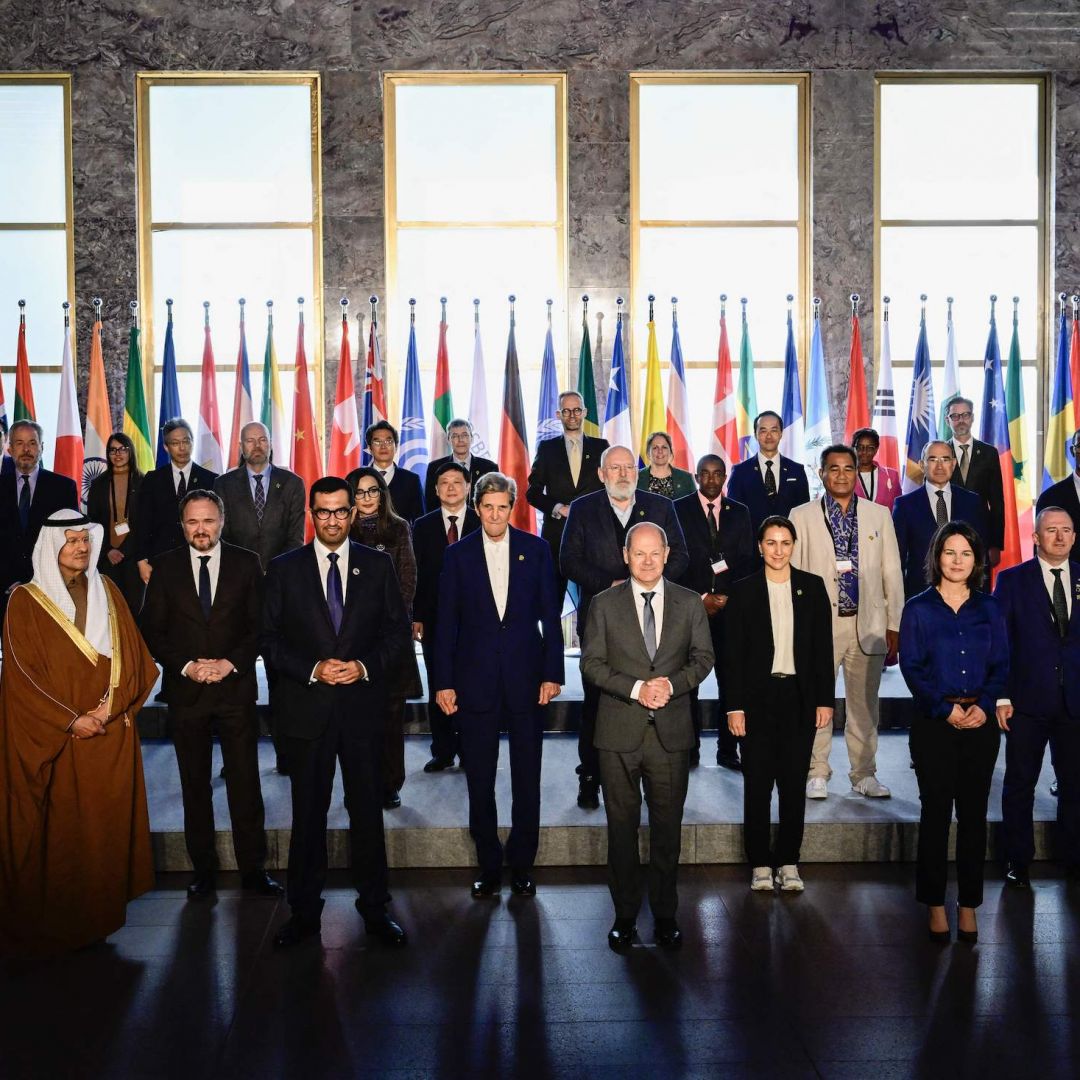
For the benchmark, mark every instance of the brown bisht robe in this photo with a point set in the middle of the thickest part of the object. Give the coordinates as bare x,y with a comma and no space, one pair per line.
74,827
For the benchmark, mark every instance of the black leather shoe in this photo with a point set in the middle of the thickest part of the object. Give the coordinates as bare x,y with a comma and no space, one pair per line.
1017,877
588,795
621,935
522,884
386,930
294,931
729,761
486,886
262,883
391,800
439,764
668,934
202,887
1054,789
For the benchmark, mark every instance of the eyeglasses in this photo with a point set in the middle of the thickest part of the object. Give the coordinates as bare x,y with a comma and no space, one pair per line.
620,468
175,443
572,412
118,450
339,512
961,415
464,433
383,444
367,493
939,460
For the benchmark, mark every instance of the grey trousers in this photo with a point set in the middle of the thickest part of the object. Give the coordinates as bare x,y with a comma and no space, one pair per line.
665,776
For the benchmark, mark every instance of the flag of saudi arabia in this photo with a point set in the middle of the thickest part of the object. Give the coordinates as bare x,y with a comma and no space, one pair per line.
136,418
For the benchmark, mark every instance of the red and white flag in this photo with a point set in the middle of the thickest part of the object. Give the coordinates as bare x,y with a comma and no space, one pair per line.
725,440
306,452
68,450
208,430
345,433
858,412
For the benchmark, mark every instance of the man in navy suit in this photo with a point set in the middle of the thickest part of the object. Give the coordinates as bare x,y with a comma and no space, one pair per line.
28,495
918,514
1065,493
592,555
1040,600
334,626
768,483
498,661
459,434
381,439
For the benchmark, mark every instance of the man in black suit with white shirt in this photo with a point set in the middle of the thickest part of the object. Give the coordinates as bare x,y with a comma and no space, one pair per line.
381,439
459,432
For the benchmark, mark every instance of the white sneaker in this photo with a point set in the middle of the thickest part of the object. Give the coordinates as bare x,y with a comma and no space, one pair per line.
817,787
872,788
762,880
787,877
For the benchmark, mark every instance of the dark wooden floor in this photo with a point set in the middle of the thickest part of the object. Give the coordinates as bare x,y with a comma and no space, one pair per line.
838,982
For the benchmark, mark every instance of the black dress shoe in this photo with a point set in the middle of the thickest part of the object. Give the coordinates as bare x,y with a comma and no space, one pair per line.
621,935
202,887
259,881
588,795
438,764
486,886
522,884
1016,877
296,930
668,934
729,761
391,800
386,930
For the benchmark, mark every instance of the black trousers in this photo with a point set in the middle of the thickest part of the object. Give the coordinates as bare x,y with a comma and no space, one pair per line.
445,739
775,750
237,728
312,764
275,728
726,743
480,753
393,750
953,768
1025,746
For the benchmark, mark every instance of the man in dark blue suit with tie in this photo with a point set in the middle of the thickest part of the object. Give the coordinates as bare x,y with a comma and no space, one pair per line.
1065,493
498,661
334,626
768,483
918,514
1040,600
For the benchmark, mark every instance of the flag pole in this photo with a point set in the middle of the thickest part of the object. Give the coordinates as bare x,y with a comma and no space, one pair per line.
723,305
652,299
922,301
206,314
817,308
1075,304
133,307
600,336
412,311
374,302
855,305
67,315
549,303
885,302
476,315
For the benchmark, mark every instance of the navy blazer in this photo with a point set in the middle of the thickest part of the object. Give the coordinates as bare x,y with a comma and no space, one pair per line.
52,492
591,552
1041,662
297,634
915,524
429,547
484,657
1062,494
746,486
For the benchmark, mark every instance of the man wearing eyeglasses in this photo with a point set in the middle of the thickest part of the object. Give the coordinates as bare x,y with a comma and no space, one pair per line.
406,494
160,494
460,434
334,626
920,513
978,468
562,471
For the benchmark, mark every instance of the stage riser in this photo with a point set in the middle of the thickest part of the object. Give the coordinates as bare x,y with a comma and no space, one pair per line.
578,845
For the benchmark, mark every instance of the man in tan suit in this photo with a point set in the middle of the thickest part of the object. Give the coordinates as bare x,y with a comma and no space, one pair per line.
851,544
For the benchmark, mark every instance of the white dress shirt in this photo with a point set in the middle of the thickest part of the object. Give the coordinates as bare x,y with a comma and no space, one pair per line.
497,557
185,472
459,514
658,612
387,473
957,445
1048,581
932,490
321,553
783,627
761,459
623,515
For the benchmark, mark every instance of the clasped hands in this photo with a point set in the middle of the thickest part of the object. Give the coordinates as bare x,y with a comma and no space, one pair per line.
209,671
963,719
655,693
339,672
92,723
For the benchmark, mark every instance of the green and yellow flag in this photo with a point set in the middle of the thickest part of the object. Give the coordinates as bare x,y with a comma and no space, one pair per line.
136,417
586,384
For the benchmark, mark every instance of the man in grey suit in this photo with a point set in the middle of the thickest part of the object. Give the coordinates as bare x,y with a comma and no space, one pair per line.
264,512
647,646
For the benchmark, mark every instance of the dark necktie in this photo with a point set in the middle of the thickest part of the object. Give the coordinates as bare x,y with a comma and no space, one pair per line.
770,479
650,624
260,497
24,503
334,600
181,488
942,511
452,533
714,531
206,598
1061,608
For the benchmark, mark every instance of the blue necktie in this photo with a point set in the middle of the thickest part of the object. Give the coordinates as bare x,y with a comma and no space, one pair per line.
206,598
334,599
24,503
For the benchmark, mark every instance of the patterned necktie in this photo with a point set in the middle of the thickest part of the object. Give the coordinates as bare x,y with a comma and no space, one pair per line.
714,531
650,624
1061,608
770,479
24,503
334,599
942,511
260,497
181,488
452,533
964,463
206,598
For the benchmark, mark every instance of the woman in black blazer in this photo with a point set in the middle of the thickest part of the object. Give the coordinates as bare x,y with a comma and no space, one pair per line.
111,502
780,688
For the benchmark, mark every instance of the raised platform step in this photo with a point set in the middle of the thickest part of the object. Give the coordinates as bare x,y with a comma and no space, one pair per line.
431,827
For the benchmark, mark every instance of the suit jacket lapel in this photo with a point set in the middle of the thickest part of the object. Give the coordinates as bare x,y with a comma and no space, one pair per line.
315,572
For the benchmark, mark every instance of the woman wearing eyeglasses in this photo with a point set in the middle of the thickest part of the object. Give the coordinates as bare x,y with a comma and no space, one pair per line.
111,503
378,526
660,476
876,483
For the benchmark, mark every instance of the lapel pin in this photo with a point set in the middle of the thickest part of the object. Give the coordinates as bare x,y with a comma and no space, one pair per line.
521,558
798,592
641,513
356,571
